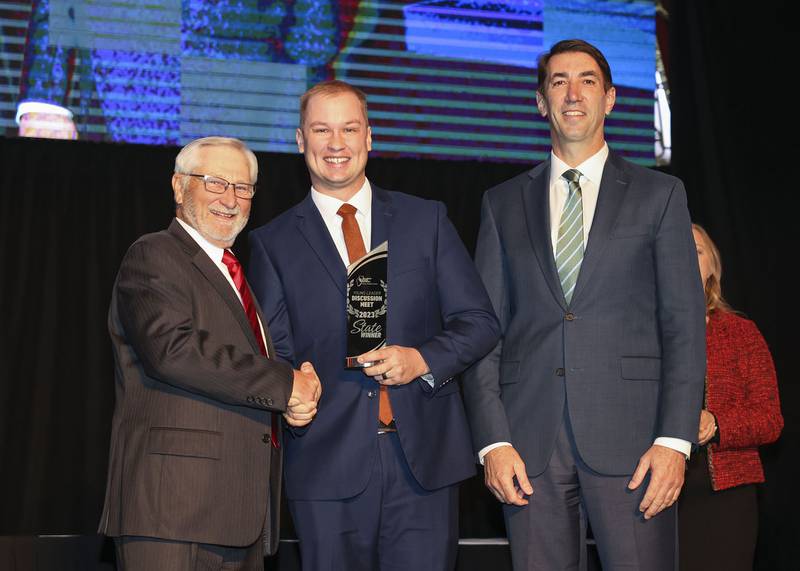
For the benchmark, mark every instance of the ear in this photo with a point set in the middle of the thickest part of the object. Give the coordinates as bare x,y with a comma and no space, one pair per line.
369,138
541,103
177,188
611,98
298,136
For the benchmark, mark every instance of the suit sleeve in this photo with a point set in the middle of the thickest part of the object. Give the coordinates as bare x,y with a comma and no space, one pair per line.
485,411
156,312
470,328
681,318
268,288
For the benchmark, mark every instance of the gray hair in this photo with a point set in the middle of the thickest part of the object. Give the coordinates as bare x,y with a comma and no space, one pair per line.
185,162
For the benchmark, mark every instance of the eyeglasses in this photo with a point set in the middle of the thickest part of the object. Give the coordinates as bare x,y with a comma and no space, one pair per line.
220,185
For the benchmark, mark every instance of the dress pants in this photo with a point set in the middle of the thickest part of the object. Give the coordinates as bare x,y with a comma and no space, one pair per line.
546,535
393,525
151,554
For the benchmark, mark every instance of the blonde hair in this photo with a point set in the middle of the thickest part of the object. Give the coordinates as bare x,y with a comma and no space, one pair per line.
328,89
713,285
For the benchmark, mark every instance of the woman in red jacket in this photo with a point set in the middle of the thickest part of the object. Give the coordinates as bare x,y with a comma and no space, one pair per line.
741,411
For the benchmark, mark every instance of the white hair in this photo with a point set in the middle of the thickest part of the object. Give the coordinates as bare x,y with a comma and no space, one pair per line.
185,162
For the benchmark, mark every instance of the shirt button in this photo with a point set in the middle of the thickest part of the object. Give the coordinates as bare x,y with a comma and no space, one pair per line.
265,438
560,372
371,394
569,316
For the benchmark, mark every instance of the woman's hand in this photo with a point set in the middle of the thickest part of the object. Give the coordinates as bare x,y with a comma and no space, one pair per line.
708,427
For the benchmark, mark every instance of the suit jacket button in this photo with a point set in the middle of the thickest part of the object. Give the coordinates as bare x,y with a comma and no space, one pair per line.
269,402
560,372
249,399
371,394
265,438
569,316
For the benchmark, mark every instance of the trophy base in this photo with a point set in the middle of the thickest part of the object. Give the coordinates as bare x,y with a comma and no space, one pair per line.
352,363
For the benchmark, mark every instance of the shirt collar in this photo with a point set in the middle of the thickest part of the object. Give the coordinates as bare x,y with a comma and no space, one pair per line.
214,252
329,205
591,168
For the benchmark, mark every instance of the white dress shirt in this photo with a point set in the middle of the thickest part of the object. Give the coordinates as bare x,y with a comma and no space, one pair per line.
591,174
328,207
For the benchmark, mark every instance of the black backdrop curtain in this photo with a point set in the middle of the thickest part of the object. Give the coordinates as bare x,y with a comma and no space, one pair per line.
70,210
735,145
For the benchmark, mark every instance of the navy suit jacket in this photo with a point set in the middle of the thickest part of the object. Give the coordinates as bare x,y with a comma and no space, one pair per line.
437,304
626,357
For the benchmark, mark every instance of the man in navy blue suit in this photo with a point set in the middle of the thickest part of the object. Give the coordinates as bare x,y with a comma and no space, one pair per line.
591,399
372,482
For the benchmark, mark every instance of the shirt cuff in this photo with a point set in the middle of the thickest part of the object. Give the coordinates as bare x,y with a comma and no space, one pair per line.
682,446
428,378
486,449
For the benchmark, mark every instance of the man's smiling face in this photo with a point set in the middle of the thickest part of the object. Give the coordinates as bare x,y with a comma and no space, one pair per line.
575,101
218,217
335,139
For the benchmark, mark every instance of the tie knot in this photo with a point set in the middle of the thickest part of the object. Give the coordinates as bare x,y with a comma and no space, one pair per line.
230,260
346,210
572,175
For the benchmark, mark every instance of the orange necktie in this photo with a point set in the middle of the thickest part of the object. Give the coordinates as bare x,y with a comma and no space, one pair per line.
356,250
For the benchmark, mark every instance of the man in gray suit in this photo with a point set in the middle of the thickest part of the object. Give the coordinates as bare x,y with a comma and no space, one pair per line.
195,461
591,398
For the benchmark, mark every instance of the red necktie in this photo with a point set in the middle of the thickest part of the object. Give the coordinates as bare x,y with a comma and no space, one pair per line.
356,250
235,269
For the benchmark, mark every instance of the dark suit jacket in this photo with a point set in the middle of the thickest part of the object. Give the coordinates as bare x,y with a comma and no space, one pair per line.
627,354
436,304
190,457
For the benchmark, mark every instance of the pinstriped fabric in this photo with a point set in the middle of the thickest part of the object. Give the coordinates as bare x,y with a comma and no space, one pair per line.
190,432
569,247
155,553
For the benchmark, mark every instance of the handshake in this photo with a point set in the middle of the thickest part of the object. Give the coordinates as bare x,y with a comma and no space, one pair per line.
306,390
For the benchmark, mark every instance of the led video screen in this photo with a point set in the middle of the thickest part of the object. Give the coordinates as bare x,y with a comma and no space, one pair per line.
444,78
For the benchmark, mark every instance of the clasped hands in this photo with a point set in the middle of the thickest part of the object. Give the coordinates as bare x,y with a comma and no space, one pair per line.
392,365
306,390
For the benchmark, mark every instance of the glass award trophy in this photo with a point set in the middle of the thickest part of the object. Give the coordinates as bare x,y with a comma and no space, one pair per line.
367,296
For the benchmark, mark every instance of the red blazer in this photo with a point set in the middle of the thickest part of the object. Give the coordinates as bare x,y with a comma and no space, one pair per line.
742,393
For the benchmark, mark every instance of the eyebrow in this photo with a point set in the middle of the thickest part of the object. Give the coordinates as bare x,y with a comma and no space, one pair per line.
589,73
325,123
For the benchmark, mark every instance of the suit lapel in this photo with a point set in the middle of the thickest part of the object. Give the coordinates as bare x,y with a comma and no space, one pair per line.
382,216
613,186
213,274
313,229
536,200
268,337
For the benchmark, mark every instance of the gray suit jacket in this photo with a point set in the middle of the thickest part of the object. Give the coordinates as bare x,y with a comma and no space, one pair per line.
190,456
626,357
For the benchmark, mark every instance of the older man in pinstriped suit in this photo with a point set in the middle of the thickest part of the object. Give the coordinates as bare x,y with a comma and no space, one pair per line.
195,461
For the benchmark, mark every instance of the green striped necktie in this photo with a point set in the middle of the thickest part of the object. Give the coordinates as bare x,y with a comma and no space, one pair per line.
569,248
